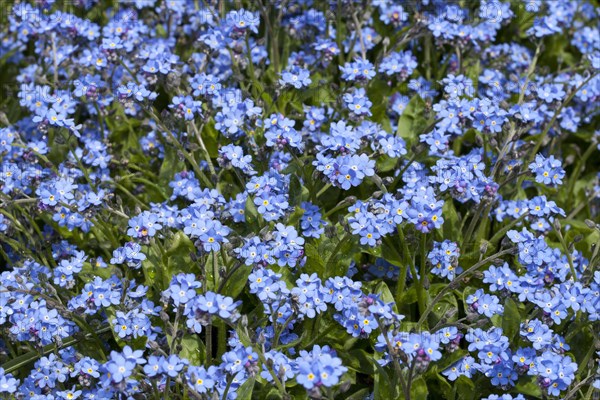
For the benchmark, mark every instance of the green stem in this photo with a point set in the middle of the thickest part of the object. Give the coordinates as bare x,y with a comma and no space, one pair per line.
421,295
208,344
397,367
459,278
229,275
551,123
582,205
530,71
174,332
151,184
278,332
166,396
263,361
323,190
179,147
338,32
358,29
136,200
317,338
339,206
338,248
402,276
566,249
198,134
54,61
26,359
580,165
226,392
221,337
215,270
467,238
508,227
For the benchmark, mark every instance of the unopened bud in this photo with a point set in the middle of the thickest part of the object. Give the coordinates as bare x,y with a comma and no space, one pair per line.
377,180
479,141
350,200
591,224
269,363
153,345
388,180
315,393
483,247
164,316
344,386
557,225
262,339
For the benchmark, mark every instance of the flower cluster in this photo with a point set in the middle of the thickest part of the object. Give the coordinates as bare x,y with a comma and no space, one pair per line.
299,199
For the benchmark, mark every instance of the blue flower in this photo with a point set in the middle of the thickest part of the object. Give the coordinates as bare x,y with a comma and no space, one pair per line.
119,368
547,170
296,77
202,380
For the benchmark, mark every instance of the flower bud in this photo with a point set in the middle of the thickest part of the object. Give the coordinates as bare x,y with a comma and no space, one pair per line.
591,224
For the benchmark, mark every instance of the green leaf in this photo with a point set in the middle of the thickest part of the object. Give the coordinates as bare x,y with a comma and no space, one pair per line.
452,222
528,386
171,163
295,216
473,71
412,120
177,257
589,236
524,21
242,332
152,268
451,358
358,360
410,295
465,388
418,389
360,394
210,137
386,163
390,251
314,261
331,256
382,386
444,387
89,272
511,319
385,294
237,281
193,349
161,31
251,212
318,95
295,191
245,391
338,260
274,394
